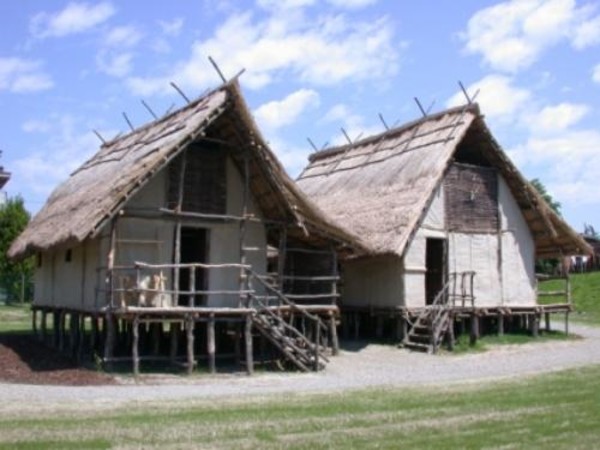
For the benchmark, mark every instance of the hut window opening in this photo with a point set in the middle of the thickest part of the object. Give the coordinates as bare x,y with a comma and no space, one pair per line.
204,180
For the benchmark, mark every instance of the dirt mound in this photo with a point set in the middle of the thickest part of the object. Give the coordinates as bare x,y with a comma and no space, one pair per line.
25,360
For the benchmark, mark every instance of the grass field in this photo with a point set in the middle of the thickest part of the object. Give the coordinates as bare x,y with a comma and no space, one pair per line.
585,289
552,411
15,318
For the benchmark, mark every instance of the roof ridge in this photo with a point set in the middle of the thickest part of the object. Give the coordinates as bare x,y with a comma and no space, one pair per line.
392,131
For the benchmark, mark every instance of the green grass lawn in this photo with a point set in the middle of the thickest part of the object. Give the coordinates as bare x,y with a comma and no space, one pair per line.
551,411
15,317
585,289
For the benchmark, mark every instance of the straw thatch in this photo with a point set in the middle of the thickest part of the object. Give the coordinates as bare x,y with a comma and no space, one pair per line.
81,206
381,186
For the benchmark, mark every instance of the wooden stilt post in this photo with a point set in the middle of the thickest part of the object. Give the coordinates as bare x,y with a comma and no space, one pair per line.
34,323
317,341
547,321
534,324
210,343
249,349
93,336
43,325
404,326
73,327
156,335
500,324
567,323
190,343
450,333
110,339
174,335
55,328
474,328
135,345
335,344
61,329
81,338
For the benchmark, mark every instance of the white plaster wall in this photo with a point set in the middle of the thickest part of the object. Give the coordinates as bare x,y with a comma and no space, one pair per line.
479,253
518,251
372,282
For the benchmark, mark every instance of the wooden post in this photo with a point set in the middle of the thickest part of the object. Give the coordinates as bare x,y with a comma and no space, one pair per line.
81,337
73,331
135,346
43,325
547,321
450,333
334,290
179,207
189,322
156,335
317,343
249,349
55,327
110,339
281,257
500,324
174,335
210,343
93,336
34,323
61,329
534,324
404,326
567,323
335,344
474,329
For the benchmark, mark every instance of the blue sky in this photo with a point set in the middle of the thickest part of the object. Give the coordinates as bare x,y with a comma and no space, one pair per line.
312,67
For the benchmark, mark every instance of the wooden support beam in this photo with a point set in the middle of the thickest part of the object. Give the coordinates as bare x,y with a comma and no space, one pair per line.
135,346
474,329
335,344
534,324
189,325
34,323
43,325
110,338
500,324
547,321
61,329
210,343
249,349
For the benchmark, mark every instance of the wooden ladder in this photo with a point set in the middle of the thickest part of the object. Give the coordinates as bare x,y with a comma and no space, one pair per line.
432,324
306,354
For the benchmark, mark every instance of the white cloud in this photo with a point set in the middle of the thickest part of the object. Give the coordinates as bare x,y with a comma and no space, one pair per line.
352,123
171,27
114,64
322,51
35,126
498,97
351,4
74,18
23,75
284,4
279,113
511,35
596,73
556,118
66,149
124,36
572,163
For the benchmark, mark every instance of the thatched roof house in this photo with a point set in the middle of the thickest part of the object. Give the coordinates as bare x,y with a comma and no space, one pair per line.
204,169
82,206
432,197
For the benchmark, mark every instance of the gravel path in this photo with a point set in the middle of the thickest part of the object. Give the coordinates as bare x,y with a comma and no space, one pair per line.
369,366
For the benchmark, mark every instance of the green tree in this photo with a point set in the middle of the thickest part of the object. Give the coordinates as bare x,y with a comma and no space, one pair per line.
15,276
539,186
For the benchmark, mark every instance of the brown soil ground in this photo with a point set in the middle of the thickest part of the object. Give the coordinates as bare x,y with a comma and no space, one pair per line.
25,360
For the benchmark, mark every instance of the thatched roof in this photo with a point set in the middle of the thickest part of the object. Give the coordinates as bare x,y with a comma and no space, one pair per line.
381,186
80,207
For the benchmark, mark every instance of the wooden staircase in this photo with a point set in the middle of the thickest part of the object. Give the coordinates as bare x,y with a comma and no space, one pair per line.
305,354
434,322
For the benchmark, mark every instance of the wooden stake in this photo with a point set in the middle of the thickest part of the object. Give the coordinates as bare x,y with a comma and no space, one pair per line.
335,345
190,344
43,325
547,321
500,324
249,349
474,329
210,343
134,346
110,339
34,323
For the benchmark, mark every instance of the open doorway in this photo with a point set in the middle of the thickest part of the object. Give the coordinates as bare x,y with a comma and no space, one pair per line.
435,262
194,249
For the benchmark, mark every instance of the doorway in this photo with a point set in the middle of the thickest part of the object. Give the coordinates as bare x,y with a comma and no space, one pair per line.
194,249
435,263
